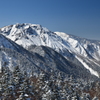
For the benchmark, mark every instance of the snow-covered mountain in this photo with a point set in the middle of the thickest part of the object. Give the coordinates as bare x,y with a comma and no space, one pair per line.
74,49
33,34
37,58
85,47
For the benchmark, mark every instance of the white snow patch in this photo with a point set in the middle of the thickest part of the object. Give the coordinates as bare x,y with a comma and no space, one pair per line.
0,66
87,67
74,44
26,95
62,34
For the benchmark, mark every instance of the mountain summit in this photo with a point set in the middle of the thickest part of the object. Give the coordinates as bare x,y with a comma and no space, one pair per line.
77,50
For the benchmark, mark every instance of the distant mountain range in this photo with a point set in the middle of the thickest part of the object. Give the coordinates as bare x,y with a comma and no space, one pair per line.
35,48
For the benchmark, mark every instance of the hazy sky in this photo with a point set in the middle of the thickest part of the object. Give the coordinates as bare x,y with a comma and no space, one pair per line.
77,17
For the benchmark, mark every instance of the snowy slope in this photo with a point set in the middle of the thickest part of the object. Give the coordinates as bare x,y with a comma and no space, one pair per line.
11,58
4,42
37,58
69,46
84,47
87,67
40,58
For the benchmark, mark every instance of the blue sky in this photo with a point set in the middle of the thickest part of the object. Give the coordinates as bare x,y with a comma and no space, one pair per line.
77,17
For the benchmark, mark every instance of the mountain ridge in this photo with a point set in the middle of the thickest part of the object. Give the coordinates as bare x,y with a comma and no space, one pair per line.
69,46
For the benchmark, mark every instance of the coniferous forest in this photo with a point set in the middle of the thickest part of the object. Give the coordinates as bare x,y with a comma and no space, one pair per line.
43,86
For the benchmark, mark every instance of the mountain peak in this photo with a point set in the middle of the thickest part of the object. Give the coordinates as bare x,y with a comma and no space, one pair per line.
23,25
23,28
